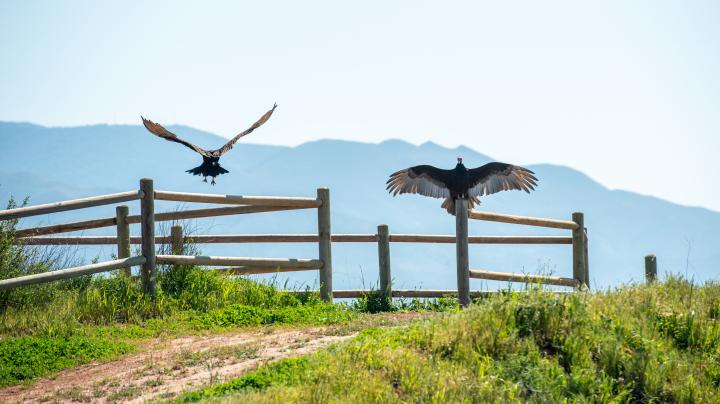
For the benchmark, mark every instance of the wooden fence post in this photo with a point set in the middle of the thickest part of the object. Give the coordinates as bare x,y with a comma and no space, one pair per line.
325,245
176,240
587,259
384,260
123,235
463,262
578,249
147,231
650,268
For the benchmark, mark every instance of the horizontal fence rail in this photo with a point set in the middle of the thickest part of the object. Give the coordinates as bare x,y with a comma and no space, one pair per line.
523,278
66,227
71,272
240,261
355,294
446,239
212,212
258,270
410,293
159,217
238,199
72,204
300,238
526,220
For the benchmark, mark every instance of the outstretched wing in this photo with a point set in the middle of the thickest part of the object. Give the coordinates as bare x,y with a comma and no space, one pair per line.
158,130
496,177
229,145
424,180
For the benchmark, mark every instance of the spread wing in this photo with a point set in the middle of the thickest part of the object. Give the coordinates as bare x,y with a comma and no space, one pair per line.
423,180
229,145
496,177
158,130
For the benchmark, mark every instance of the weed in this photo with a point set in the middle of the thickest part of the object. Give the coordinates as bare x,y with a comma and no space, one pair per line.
377,302
153,382
125,394
75,394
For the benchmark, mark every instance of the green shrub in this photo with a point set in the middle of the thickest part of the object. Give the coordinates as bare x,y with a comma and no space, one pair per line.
17,261
376,302
118,298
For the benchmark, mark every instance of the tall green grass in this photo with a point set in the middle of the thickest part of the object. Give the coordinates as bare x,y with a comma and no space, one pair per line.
375,301
657,343
101,319
46,327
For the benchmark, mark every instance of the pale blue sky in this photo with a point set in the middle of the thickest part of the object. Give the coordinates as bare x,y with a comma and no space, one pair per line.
626,91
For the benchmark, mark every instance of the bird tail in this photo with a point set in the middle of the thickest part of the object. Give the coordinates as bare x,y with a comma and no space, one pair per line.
449,204
207,170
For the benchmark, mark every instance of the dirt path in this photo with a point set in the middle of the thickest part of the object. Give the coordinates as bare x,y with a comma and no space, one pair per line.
166,368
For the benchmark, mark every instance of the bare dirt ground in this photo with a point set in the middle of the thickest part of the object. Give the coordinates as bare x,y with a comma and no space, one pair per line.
167,367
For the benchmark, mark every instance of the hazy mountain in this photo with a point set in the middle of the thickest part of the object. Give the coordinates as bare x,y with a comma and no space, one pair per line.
51,164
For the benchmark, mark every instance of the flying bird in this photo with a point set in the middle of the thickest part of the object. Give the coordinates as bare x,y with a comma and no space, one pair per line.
460,182
211,158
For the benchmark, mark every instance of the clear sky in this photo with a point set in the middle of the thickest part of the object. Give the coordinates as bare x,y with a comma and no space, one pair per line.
626,91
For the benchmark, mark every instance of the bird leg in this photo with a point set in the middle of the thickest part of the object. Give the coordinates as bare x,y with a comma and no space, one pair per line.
204,179
213,181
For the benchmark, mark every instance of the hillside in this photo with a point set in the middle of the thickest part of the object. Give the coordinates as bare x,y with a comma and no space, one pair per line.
636,344
50,164
213,338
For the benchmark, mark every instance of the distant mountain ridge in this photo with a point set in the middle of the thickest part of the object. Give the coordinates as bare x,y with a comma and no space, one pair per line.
51,164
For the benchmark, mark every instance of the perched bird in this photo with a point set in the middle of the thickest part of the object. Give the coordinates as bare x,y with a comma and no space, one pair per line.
211,158
460,182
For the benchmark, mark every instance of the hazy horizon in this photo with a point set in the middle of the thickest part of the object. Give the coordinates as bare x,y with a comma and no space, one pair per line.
448,165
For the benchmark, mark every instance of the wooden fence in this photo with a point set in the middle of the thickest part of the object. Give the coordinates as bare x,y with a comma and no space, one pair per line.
581,275
148,259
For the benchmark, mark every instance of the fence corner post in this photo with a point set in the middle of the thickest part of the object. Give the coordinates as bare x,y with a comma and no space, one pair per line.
123,235
176,240
147,230
325,244
650,268
461,249
579,250
384,260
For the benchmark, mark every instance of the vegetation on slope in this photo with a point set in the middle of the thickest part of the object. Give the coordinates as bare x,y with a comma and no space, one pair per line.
48,327
658,343
100,318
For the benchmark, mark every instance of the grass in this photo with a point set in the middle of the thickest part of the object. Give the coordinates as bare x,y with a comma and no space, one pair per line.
235,352
28,357
125,394
657,343
107,317
48,327
377,302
